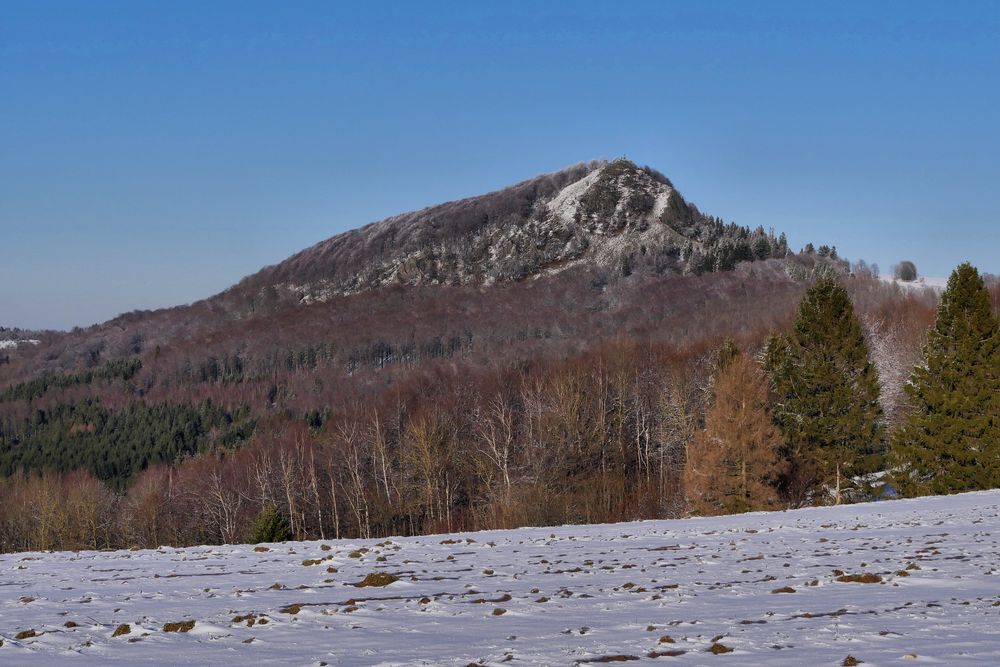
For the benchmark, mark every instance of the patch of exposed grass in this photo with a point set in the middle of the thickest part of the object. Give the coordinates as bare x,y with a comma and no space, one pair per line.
866,578
377,579
179,626
613,658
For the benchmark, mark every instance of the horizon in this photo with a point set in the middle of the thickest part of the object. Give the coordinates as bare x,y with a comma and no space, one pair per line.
155,156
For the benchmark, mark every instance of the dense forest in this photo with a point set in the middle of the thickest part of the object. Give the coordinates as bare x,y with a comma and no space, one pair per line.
630,428
736,376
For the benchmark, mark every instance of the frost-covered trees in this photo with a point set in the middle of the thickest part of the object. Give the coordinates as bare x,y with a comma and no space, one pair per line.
951,440
827,398
733,464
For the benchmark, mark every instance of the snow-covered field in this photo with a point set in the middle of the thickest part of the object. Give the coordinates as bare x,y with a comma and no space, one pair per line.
765,587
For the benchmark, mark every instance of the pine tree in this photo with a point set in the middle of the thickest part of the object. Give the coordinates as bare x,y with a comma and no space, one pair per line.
950,442
827,395
733,464
269,526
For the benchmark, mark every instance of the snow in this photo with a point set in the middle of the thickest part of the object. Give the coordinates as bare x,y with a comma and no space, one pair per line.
571,594
935,283
564,205
11,344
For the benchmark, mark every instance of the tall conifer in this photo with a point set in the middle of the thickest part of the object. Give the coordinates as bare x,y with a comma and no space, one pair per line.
950,441
827,398
733,464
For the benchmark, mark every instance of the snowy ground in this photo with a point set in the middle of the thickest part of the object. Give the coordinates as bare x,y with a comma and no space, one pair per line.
923,282
12,344
764,585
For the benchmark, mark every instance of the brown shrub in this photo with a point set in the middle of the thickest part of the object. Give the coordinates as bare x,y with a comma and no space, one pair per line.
377,579
866,578
179,626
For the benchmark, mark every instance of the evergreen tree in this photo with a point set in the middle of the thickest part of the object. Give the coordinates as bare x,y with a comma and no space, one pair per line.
827,395
269,526
733,464
950,442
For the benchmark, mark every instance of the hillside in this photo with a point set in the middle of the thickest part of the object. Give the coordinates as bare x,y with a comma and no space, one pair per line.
767,588
599,222
554,369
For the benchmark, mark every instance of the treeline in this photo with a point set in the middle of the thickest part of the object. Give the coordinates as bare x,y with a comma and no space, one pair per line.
116,369
636,428
832,441
114,446
236,367
593,439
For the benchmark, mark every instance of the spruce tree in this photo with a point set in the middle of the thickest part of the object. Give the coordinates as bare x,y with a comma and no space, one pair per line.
950,442
269,526
827,395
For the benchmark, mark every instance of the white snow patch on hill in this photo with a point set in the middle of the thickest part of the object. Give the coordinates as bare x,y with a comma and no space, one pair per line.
764,585
11,344
936,284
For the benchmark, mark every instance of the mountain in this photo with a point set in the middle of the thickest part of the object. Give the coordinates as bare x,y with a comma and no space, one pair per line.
539,354
574,234
602,214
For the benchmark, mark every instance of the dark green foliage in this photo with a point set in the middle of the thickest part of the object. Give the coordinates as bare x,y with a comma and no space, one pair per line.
905,271
116,445
640,203
761,247
827,394
123,369
723,245
269,526
951,440
602,198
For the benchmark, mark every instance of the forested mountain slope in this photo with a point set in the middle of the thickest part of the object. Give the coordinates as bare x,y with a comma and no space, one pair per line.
543,348
601,222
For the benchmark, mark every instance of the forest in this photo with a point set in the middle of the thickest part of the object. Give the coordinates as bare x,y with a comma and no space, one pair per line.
771,385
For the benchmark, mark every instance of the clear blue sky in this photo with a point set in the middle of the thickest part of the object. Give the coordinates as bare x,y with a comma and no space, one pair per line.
154,153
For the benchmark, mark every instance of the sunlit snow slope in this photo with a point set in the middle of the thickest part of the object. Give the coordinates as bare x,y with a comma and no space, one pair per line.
765,586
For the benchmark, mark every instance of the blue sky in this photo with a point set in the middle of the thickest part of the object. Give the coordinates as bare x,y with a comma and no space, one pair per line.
152,153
